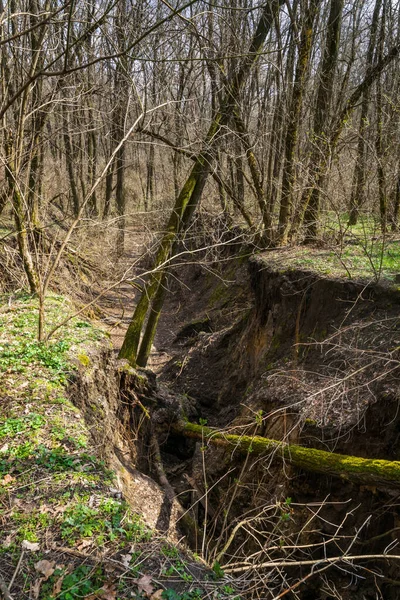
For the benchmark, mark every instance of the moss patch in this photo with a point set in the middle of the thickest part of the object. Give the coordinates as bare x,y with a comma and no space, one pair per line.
84,360
352,468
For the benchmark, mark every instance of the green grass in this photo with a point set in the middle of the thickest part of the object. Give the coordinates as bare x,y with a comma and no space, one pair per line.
358,252
20,349
47,464
370,260
56,494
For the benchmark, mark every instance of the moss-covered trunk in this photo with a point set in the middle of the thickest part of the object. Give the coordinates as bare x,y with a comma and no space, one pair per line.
367,471
184,202
189,197
310,201
293,130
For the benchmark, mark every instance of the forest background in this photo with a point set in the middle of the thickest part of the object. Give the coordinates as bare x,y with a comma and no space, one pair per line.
282,117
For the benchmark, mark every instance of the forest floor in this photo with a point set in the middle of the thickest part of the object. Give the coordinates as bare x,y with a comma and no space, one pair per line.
67,531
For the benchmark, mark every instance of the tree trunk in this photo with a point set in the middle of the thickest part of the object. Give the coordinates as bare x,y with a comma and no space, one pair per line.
310,201
120,199
108,191
379,138
396,203
358,191
186,201
149,197
288,177
20,218
70,164
152,322
191,192
367,471
119,112
38,120
254,169
323,163
92,168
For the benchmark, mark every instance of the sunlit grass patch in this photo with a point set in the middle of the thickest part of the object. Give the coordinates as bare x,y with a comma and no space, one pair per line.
375,260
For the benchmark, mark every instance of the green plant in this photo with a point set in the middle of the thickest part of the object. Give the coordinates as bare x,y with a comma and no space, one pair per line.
80,583
195,594
286,510
22,451
218,571
56,459
82,325
80,520
28,525
104,522
170,551
14,426
178,568
227,589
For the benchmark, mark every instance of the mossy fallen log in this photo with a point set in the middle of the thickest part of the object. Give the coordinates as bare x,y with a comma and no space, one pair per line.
366,471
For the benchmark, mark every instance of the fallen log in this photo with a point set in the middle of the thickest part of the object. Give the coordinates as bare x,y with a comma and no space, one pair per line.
366,471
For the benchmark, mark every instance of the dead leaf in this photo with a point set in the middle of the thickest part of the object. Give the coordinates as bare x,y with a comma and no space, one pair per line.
145,585
107,592
4,448
57,586
8,541
7,479
35,588
83,544
157,595
45,567
32,546
60,509
126,560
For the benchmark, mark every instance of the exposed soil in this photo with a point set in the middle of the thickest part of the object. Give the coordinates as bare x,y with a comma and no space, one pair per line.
292,356
192,297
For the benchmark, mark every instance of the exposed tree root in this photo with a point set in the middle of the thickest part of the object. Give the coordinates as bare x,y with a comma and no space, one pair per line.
188,524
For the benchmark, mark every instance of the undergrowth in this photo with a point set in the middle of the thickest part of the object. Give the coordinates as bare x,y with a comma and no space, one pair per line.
66,531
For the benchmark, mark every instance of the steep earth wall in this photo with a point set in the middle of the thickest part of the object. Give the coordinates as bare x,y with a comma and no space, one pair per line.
105,390
321,351
306,359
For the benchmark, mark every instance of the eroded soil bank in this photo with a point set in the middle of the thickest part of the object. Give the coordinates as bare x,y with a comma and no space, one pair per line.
308,360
